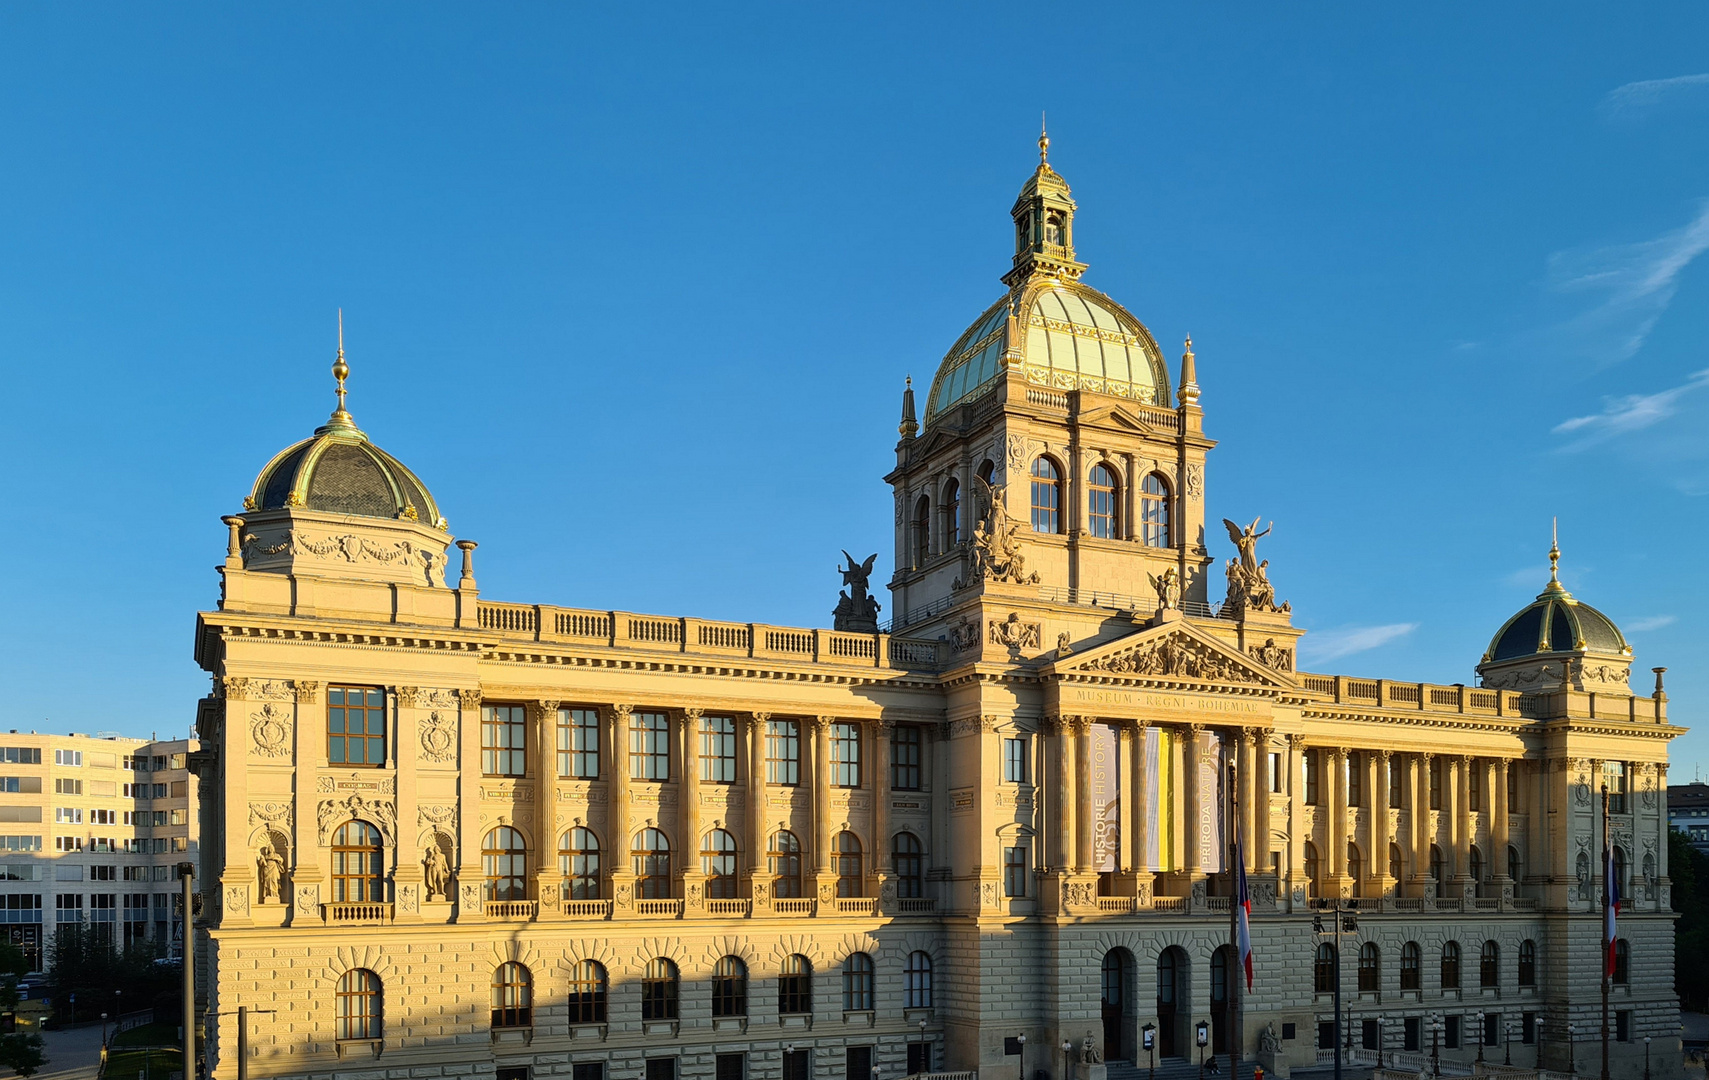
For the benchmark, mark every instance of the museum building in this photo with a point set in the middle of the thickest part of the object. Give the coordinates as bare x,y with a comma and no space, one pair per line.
521,840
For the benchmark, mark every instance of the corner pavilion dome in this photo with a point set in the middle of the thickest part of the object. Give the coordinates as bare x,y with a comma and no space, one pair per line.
339,471
1054,330
1556,622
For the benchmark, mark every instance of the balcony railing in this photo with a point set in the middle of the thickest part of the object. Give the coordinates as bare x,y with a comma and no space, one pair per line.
513,910
919,905
738,906
585,909
794,906
351,914
852,905
667,909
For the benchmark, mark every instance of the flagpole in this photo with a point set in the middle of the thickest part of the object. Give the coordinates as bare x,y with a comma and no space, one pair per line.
1239,968
1608,887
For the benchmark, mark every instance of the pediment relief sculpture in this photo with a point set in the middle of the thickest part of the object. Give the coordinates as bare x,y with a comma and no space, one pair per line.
1178,655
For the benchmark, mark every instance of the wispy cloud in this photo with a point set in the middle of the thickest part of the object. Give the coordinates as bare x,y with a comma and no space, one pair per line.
1650,622
1321,645
1629,412
1637,282
1639,95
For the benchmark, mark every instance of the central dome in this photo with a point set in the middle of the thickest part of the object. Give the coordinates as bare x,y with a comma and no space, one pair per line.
1063,335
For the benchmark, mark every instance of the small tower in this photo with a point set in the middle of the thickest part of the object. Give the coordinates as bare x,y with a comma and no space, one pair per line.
1044,225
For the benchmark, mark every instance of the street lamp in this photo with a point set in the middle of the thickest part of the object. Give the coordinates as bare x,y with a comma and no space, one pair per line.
1436,1044
103,1029
1480,1037
1572,1066
1509,1027
1646,1057
1021,1065
1148,1039
1382,1022
1067,1059
925,1048
1204,1036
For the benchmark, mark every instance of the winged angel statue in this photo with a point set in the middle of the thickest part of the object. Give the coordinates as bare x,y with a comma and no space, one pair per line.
1249,587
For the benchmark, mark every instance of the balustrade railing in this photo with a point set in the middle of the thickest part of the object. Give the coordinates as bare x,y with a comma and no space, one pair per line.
345,914
513,909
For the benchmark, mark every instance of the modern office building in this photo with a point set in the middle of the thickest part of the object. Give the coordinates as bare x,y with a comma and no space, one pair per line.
515,839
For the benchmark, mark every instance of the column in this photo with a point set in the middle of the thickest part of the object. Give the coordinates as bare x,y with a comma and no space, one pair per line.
880,787
1139,809
688,803
1500,828
1082,785
469,885
1380,841
819,728
1261,801
544,760
1420,833
617,843
1295,855
408,876
1063,804
1246,783
758,842
1337,834
1192,858
1462,824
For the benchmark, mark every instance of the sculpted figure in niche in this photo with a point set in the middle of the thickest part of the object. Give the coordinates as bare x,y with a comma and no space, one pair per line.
270,868
436,873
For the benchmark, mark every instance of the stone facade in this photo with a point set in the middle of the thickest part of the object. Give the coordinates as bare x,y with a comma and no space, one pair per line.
1005,813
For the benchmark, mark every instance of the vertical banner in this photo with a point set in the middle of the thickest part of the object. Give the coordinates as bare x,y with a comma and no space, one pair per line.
1213,854
1159,751
1105,799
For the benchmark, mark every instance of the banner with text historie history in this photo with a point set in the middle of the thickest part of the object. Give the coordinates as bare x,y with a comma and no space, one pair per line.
1105,803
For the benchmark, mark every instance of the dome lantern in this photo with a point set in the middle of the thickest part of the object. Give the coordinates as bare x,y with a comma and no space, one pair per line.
1558,642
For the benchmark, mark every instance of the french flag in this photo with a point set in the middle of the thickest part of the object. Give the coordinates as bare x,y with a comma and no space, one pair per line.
1611,889
1243,910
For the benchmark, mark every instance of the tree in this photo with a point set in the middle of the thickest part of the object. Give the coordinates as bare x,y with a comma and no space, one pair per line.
1688,870
20,1051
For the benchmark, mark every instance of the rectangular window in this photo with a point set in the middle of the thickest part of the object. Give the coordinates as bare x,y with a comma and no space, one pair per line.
355,726
905,758
1435,783
1014,871
661,1068
731,1067
650,753
180,843
919,1058
20,843
159,791
111,817
179,817
160,873
1276,772
158,816
797,1065
103,873
782,752
845,755
588,1070
68,907
136,873
1623,1025
512,1072
504,740
68,815
21,755
20,872
1411,1039
63,785
1512,788
1355,779
1614,775
1015,760
1310,758
136,762
857,1063
69,758
1528,1028
1474,786
68,843
159,763
718,749
578,743
1368,1037
1451,1032
179,761
1397,783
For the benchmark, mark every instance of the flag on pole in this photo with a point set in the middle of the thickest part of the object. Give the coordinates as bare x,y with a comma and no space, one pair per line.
1611,905
1243,909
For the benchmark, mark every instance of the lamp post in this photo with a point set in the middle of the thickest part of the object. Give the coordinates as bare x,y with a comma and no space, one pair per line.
1435,1044
783,1068
1480,1037
1382,1022
1646,1057
1148,1039
1021,1065
103,1029
1509,1032
1204,1037
1067,1060
925,1048
1572,1066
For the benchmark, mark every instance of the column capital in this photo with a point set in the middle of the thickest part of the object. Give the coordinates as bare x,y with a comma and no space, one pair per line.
1383,755
760,717
1297,742
622,710
539,710
818,724
1050,724
470,699
1263,734
1195,730
693,712
884,725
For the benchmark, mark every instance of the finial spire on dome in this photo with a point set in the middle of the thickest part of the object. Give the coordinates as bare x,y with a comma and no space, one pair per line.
1555,586
1043,142
1189,392
341,420
908,428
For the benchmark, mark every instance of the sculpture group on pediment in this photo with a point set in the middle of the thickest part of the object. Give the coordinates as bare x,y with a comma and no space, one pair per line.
995,553
1178,655
1249,587
1013,633
856,611
1272,655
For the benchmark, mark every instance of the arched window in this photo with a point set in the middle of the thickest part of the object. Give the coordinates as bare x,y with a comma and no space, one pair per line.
1102,516
1436,862
1154,511
513,996
1411,966
360,1012
850,882
718,863
1451,966
1527,963
785,865
1394,862
1475,863
504,862
952,514
587,993
987,469
922,529
1323,969
908,861
1354,868
795,986
1489,965
578,862
1513,867
1311,868
917,981
1620,873
729,987
1047,496
356,859
1622,962
659,987
651,857
857,983
1370,968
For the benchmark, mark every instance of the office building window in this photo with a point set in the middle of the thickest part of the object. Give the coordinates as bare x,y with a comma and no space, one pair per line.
1015,871
1015,759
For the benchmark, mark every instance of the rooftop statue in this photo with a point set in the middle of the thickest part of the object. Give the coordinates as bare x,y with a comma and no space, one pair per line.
857,611
1249,587
996,553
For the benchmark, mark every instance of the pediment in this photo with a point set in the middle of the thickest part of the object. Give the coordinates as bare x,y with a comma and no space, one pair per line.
1116,416
1173,652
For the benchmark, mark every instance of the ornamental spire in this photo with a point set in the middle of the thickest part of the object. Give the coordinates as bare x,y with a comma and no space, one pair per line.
1189,392
908,428
1555,587
341,420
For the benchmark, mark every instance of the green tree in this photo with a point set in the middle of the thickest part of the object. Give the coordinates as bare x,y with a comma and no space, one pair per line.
1688,870
20,1051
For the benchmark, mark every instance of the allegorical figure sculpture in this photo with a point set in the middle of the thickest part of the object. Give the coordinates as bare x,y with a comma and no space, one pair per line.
1089,1053
270,869
436,872
856,611
995,553
1168,588
1249,587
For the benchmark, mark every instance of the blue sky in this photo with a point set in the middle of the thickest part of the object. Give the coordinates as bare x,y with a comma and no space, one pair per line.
635,288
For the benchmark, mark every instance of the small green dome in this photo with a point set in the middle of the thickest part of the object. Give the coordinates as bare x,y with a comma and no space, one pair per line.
1556,622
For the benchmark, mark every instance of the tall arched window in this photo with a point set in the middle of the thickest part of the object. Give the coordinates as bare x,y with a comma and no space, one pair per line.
1620,873
1311,868
1394,862
917,981
718,863
1102,514
1527,963
922,531
651,857
578,862
513,996
850,881
729,987
908,861
1622,962
587,993
1047,496
1513,864
1323,969
504,862
659,986
857,983
1489,965
1370,968
360,1012
1451,966
1475,863
1436,862
1411,966
1355,866
785,860
952,514
1154,511
356,864
795,986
